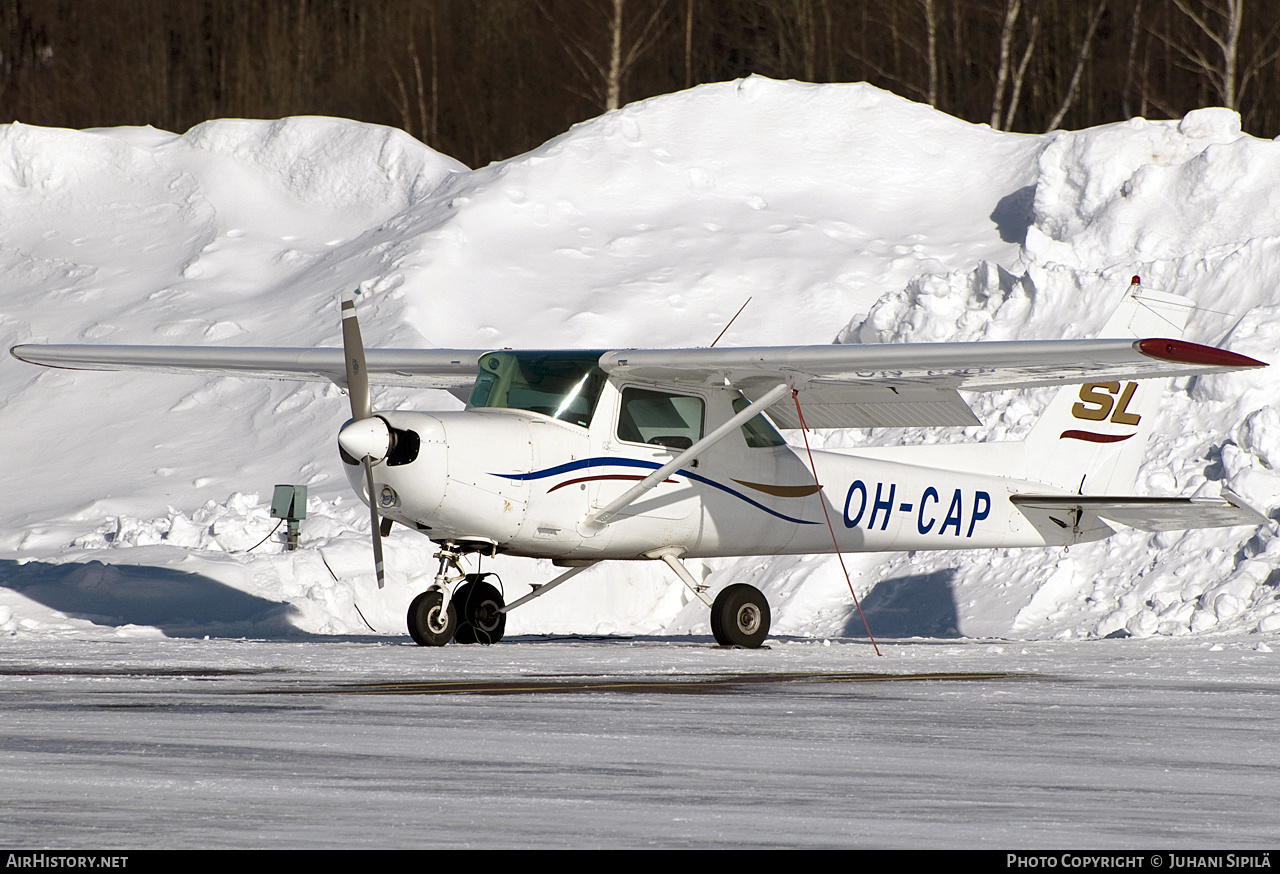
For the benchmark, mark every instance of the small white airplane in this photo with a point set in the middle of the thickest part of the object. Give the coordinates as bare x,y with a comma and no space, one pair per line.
665,454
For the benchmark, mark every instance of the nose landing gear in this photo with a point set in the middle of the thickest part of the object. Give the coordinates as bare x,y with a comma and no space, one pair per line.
431,621
474,613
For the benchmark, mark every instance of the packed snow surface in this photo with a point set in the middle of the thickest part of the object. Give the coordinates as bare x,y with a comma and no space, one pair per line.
133,502
653,741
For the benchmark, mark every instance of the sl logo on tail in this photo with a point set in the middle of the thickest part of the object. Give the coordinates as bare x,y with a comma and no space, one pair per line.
1096,402
1099,394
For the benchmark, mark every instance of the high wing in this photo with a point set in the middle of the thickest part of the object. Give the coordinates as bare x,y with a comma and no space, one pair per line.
411,368
914,384
892,385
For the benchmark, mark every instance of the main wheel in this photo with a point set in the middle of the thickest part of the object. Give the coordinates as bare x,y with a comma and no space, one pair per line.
480,619
740,616
428,624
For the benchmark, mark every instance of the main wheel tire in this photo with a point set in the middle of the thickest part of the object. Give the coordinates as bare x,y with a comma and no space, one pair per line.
428,624
740,616
480,619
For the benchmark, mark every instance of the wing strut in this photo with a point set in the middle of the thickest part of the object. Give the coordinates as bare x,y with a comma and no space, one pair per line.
594,523
540,590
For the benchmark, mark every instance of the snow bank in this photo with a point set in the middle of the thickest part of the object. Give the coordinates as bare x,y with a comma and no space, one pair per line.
331,163
653,224
1193,207
845,212
1154,191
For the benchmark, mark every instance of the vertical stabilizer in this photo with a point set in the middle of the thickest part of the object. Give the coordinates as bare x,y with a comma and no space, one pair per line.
1092,438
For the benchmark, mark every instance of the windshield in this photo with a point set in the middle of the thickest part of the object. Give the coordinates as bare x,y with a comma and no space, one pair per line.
562,385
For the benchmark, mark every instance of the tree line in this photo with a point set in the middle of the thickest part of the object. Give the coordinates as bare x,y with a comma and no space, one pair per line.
483,80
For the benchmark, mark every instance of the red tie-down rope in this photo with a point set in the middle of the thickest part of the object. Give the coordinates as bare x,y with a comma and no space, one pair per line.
804,430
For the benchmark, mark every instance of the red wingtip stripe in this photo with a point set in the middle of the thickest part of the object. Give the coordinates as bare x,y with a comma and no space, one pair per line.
1185,352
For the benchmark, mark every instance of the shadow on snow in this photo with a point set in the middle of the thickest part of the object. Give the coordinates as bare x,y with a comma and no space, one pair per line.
920,605
178,603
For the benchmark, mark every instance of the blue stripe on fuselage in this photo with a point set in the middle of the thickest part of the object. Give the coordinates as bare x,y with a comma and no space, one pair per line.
589,463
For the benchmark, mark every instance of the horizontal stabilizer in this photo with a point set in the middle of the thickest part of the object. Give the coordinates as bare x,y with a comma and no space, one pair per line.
1147,514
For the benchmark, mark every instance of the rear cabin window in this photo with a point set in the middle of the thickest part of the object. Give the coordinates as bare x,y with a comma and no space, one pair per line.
660,419
758,431
562,385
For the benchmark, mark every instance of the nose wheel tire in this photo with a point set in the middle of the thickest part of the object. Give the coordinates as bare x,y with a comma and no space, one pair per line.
428,624
740,616
479,617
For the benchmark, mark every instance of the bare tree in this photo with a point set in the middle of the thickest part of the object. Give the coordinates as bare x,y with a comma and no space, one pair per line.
1223,45
606,44
1134,32
931,48
1011,10
426,124
899,48
1020,74
688,44
1224,34
1086,49
478,81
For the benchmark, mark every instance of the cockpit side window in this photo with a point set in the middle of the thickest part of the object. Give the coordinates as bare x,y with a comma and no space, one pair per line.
562,385
660,419
758,432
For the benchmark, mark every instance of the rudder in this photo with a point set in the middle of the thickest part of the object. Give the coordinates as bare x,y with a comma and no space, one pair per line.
1091,439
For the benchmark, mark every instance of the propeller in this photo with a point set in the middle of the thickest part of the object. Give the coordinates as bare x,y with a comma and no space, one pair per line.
366,436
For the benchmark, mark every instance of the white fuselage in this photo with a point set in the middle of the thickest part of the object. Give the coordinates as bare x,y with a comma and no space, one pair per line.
525,481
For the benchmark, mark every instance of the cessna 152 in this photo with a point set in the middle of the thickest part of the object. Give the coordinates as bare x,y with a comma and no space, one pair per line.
665,454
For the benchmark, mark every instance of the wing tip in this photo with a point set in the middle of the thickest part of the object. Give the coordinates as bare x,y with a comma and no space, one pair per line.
1186,352
33,349
23,349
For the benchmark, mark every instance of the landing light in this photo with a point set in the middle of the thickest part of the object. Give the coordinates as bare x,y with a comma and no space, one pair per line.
387,497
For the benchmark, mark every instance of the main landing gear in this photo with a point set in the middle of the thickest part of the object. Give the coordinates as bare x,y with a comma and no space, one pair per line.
480,616
739,614
476,613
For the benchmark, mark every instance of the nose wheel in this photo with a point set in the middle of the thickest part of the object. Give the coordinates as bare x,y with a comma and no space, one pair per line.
472,614
429,624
